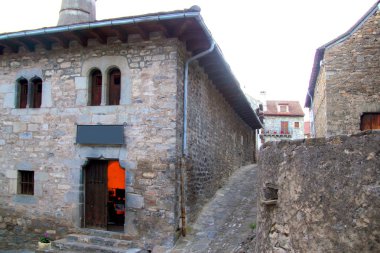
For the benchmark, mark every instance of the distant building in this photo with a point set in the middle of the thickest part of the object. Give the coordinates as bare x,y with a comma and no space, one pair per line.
344,89
307,129
283,120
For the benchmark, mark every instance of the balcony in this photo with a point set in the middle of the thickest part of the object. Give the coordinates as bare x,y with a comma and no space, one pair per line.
277,133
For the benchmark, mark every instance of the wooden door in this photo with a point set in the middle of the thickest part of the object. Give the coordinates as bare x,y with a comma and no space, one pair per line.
96,194
370,121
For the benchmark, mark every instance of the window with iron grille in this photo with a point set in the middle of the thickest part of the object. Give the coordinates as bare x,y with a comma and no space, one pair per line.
25,182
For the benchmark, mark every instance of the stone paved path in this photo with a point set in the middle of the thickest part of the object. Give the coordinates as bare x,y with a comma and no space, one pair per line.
224,223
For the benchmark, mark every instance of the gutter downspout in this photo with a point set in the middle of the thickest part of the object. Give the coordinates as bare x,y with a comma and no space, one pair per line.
312,114
184,140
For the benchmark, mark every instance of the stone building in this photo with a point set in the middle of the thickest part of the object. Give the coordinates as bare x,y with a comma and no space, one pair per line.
126,126
283,120
344,89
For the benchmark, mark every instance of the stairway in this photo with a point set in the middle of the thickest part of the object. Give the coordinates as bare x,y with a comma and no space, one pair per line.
94,243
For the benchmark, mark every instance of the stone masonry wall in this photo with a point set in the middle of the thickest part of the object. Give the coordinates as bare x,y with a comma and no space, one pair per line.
319,104
327,195
43,140
352,79
219,141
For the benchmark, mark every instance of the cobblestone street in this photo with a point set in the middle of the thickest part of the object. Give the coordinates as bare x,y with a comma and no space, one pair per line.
225,222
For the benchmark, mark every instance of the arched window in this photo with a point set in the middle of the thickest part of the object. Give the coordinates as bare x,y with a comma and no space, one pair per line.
22,93
96,87
37,93
114,81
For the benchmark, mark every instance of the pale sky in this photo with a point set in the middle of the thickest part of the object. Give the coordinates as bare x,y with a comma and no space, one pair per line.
269,44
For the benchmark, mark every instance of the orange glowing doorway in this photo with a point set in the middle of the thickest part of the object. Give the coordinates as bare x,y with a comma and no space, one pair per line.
116,196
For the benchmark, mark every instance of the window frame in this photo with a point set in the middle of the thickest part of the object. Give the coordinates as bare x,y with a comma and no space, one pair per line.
25,185
96,81
113,89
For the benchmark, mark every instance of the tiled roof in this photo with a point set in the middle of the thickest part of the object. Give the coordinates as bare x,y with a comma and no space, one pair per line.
294,108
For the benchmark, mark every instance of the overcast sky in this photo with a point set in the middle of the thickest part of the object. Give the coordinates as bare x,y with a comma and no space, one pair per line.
269,45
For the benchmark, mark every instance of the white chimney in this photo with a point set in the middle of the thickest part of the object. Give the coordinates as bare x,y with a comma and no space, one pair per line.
263,99
77,11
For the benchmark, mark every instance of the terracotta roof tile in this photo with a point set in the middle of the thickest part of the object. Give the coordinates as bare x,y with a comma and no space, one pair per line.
294,108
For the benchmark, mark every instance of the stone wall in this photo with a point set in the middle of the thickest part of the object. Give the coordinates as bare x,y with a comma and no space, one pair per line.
320,195
219,141
352,73
43,140
319,104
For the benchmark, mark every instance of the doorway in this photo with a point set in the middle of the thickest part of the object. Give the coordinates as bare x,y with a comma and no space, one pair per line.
104,183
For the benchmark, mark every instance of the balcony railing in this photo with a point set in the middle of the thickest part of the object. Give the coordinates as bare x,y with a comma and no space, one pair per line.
277,132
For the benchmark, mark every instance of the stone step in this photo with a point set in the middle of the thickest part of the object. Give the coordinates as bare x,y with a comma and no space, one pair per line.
91,243
105,234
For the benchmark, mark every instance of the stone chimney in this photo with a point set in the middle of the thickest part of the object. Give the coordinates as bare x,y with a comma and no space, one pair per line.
77,11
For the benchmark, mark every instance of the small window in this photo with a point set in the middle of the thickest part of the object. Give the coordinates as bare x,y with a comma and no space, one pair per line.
370,121
296,125
37,93
96,87
114,87
22,93
26,182
283,108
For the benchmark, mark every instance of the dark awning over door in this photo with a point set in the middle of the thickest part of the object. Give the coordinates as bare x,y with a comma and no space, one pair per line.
100,134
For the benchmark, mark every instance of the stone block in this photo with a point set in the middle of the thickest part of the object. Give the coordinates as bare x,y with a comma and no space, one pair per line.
25,199
81,98
9,100
19,127
11,174
24,165
38,189
129,165
71,197
7,88
33,127
26,136
81,83
12,186
130,178
41,176
47,95
135,201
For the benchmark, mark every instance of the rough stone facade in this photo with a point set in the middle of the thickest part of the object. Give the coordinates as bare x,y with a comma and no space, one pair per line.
43,139
320,195
219,140
349,81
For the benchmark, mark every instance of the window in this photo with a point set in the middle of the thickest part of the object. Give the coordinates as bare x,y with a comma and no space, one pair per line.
37,93
283,108
96,87
370,121
296,125
22,93
25,182
29,93
114,80
284,127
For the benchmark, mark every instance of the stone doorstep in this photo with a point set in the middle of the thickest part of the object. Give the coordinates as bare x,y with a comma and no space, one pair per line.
89,243
105,234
